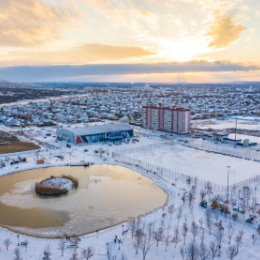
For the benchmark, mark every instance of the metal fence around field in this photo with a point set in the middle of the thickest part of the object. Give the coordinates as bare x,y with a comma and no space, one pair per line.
167,174
242,153
171,175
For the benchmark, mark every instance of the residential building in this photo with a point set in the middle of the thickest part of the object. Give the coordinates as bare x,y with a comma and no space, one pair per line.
168,119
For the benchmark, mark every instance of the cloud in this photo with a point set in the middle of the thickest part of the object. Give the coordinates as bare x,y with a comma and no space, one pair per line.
30,22
87,53
224,30
62,73
100,52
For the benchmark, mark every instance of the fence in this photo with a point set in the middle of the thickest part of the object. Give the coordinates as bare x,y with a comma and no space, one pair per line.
247,182
145,148
165,173
243,153
174,176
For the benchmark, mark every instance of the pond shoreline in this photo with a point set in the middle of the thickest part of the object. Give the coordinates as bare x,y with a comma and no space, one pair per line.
106,227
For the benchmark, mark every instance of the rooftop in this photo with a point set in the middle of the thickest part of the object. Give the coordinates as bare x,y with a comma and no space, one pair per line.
167,108
99,129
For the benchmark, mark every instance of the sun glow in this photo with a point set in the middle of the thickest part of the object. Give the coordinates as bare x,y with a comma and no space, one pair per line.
185,49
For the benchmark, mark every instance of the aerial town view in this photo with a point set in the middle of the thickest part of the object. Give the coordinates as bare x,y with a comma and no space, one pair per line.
129,130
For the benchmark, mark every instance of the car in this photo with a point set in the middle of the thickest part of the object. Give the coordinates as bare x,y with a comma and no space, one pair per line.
204,204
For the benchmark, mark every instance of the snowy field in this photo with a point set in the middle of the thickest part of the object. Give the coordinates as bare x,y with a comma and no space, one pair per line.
208,166
252,139
246,123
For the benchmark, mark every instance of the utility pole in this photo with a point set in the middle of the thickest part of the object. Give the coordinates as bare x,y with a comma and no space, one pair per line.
236,134
70,157
228,170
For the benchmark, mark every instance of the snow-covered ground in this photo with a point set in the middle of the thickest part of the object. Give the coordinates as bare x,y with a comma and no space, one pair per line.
247,123
60,182
102,243
252,139
208,166
204,165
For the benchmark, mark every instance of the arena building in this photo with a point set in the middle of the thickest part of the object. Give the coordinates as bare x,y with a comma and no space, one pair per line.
95,134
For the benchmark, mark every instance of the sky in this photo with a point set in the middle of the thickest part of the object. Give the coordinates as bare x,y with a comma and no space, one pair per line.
189,41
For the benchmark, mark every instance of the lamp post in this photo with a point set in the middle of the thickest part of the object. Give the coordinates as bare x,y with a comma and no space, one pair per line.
228,170
236,134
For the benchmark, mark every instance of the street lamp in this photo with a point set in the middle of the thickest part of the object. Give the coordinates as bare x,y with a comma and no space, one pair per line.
228,170
236,134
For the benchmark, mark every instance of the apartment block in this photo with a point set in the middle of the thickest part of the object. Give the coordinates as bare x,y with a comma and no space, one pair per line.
168,119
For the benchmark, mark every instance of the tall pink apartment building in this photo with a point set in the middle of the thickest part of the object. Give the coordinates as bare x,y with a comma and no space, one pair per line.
168,119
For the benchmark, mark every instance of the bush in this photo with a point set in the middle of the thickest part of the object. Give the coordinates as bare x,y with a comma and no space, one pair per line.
44,190
215,204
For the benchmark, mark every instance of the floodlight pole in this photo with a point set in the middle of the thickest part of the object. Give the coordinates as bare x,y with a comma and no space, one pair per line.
228,170
236,134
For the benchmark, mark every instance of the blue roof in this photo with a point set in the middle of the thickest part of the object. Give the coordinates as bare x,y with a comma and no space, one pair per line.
99,129
117,137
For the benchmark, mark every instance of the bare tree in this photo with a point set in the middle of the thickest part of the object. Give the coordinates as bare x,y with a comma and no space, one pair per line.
219,235
132,227
175,238
192,251
208,189
209,219
202,195
61,245
167,241
87,253
17,254
162,224
150,229
76,243
108,252
47,253
191,198
74,256
254,239
7,243
239,238
138,239
230,232
179,214
201,222
203,250
182,253
158,235
171,211
194,230
185,230
213,250
145,245
258,230
232,252
123,257
26,244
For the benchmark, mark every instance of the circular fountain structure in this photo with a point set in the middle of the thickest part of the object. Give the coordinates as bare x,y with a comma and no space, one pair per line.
56,186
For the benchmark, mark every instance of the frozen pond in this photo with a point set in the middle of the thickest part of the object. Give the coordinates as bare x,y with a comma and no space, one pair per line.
107,195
